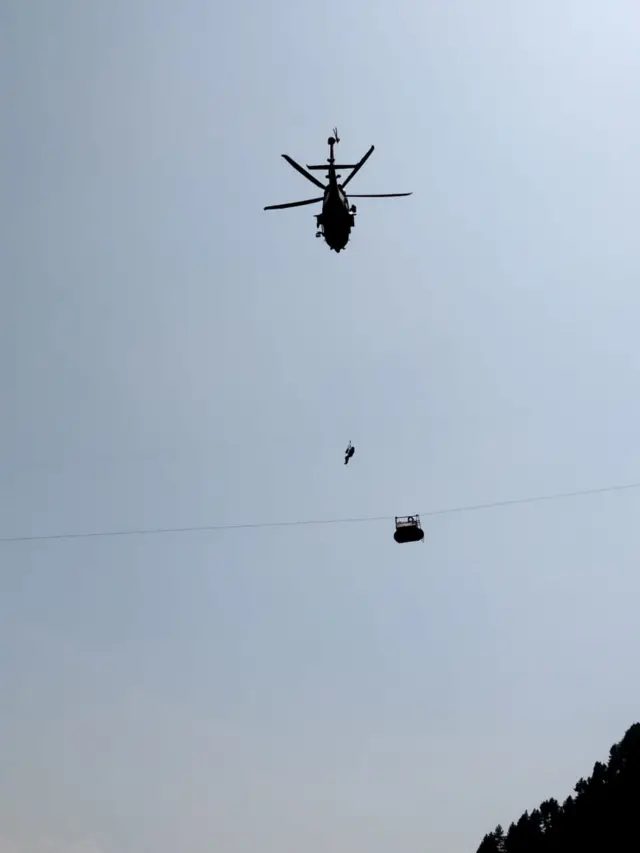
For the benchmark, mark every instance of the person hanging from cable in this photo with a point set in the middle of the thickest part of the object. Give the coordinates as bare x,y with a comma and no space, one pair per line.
348,453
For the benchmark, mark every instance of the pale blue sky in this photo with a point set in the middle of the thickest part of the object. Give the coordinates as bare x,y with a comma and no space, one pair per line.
172,355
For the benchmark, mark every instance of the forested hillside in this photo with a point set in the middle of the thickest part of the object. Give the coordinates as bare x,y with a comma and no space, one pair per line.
602,814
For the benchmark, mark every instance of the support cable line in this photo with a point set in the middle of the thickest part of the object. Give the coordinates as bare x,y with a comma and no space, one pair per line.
316,522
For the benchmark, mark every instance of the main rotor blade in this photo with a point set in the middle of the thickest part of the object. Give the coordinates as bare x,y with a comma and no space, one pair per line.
303,171
379,195
294,203
359,166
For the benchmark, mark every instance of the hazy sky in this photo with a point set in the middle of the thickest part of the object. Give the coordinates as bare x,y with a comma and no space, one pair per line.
172,355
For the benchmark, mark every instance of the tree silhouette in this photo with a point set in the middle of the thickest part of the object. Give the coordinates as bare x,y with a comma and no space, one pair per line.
602,815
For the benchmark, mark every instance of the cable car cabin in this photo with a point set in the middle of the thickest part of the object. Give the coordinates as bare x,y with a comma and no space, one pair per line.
408,529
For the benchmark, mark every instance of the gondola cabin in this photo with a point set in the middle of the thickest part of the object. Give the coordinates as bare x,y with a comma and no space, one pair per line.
408,529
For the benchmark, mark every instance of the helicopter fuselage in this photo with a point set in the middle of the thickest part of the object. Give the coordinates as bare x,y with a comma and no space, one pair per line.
336,220
338,216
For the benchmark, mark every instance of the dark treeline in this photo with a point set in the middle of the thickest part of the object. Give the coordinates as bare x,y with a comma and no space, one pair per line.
602,815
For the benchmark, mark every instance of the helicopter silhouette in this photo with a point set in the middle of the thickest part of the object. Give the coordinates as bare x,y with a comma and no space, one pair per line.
337,217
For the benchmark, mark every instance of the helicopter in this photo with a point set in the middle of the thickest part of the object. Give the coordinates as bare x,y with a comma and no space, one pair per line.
337,217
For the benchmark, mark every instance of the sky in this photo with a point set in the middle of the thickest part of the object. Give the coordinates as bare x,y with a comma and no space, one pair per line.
171,355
